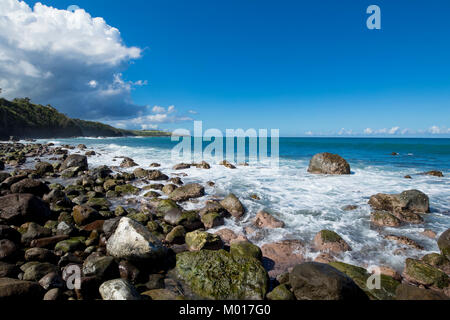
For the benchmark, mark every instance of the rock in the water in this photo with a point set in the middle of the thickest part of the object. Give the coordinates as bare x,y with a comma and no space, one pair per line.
212,220
169,188
327,163
327,240
188,191
201,240
408,292
13,289
181,166
232,204
227,164
404,240
19,208
118,289
75,161
419,272
406,206
318,281
132,241
266,220
434,173
444,243
222,276
359,275
384,219
128,163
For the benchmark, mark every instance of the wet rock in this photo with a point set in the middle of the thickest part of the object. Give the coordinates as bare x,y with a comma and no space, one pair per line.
128,271
444,243
212,220
384,219
407,176
434,173
75,161
186,192
169,188
156,175
221,275
266,220
128,163
84,214
71,245
245,248
8,270
39,254
282,255
43,167
162,294
317,281
181,166
232,204
118,289
19,208
155,165
202,165
155,281
280,292
37,270
13,289
438,261
421,273
405,241
52,280
177,235
409,292
227,164
8,249
228,235
429,233
132,241
213,206
327,240
327,163
127,189
410,200
100,266
350,207
200,240
324,257
360,276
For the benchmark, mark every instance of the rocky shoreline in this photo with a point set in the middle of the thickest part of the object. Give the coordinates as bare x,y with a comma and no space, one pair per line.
61,216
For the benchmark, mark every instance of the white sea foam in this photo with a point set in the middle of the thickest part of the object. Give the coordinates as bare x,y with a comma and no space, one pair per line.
309,203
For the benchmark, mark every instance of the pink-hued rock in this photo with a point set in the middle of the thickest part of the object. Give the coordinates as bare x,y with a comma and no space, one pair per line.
324,258
388,271
278,257
228,236
330,241
266,220
429,233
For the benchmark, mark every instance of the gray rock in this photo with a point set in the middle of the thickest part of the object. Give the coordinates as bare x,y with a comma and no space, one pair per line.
188,191
327,163
118,289
75,161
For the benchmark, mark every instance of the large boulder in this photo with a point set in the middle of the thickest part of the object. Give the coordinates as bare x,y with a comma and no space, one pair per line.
327,163
128,163
118,289
444,243
318,281
327,240
14,289
43,167
18,208
132,241
384,219
406,206
421,273
221,275
188,191
232,204
75,161
31,186
388,285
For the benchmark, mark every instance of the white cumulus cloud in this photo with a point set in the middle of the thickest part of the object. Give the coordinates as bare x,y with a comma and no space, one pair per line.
68,59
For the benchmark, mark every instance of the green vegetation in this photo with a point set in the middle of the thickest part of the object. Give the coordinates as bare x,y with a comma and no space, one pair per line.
22,119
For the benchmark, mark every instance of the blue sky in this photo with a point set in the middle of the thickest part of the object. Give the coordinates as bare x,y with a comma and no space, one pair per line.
305,67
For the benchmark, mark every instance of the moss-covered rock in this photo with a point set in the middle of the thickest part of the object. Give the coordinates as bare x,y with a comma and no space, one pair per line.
177,235
165,205
212,220
444,243
245,248
201,240
221,275
70,245
162,294
139,217
127,189
360,275
384,218
420,272
281,292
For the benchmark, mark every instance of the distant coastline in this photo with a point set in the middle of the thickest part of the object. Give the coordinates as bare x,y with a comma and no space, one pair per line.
21,119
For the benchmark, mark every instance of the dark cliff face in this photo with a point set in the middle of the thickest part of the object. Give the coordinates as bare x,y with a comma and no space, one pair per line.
22,119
